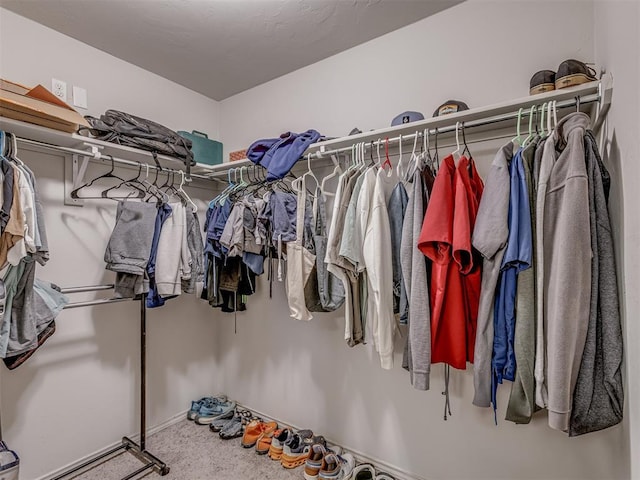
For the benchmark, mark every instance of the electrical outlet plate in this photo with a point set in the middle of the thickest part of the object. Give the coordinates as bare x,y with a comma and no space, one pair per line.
59,89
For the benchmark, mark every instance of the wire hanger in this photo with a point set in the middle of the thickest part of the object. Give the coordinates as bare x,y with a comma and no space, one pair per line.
466,147
109,174
133,183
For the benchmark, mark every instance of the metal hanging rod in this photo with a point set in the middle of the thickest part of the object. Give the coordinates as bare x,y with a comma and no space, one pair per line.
589,99
89,288
102,301
95,155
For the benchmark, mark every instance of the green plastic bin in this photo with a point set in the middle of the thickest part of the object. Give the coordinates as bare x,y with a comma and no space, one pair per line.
205,151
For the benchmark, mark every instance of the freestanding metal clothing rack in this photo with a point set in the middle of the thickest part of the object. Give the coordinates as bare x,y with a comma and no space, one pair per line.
138,450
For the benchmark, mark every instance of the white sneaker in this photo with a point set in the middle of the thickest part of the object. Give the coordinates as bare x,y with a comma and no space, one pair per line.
337,467
364,472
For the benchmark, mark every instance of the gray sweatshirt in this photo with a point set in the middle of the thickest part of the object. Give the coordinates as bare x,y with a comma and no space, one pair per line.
563,282
490,236
414,276
598,397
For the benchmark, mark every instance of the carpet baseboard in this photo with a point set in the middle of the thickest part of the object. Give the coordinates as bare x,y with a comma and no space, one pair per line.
136,437
396,472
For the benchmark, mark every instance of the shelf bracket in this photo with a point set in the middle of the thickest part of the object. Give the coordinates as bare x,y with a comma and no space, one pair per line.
78,167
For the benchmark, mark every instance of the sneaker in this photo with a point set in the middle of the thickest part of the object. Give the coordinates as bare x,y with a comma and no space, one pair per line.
364,472
233,428
384,476
197,404
263,445
316,456
256,429
337,467
572,73
219,423
296,450
542,81
213,410
278,441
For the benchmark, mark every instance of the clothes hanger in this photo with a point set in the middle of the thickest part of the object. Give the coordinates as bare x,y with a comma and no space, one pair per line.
436,157
456,152
517,140
577,103
184,194
336,171
133,183
399,166
414,160
542,113
387,161
109,174
310,174
555,114
466,147
530,136
549,128
14,149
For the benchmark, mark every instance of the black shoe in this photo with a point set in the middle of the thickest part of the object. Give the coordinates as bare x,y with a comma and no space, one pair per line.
572,73
542,81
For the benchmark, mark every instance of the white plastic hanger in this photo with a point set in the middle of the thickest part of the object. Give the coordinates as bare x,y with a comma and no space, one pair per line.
456,152
399,167
310,173
555,114
184,194
549,127
336,171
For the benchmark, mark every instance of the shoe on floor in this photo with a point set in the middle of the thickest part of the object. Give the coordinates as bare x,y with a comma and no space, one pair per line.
263,445
213,410
197,404
233,428
364,472
572,73
254,430
278,441
296,450
313,464
219,423
542,81
337,467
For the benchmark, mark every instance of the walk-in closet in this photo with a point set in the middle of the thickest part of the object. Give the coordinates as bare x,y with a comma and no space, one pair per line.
319,239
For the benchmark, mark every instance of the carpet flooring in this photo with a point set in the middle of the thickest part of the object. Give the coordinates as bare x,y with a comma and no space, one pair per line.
193,452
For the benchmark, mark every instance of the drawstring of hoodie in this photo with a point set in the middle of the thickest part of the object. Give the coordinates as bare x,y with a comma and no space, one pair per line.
447,403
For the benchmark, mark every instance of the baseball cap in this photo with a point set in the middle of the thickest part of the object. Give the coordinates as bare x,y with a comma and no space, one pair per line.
450,106
407,117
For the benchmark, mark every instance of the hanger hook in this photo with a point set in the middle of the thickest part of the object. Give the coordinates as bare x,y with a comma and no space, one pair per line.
577,103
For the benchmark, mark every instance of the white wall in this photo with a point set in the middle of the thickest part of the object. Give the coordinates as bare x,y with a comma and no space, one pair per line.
480,52
31,53
617,48
79,393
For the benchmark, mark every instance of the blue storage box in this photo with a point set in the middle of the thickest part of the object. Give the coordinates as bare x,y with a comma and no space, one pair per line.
205,151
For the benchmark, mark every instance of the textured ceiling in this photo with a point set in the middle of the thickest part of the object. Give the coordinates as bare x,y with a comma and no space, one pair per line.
223,47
